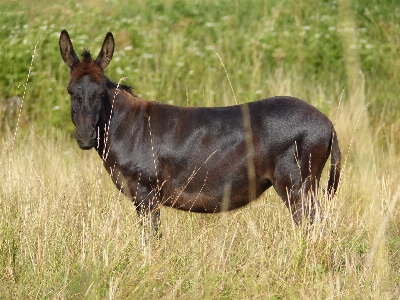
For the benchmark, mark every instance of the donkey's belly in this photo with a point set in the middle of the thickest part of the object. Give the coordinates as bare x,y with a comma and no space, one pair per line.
203,203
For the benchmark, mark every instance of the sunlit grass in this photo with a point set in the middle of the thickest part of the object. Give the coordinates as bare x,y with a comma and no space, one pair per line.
68,233
65,230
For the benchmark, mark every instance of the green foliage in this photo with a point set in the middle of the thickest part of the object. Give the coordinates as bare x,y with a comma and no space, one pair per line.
167,51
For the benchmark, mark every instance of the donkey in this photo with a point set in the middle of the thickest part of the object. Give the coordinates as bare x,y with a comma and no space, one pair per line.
199,159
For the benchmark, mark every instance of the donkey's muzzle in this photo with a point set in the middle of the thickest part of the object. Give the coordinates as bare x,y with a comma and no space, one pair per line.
87,139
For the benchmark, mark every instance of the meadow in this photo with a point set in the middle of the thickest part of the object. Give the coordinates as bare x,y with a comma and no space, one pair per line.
67,233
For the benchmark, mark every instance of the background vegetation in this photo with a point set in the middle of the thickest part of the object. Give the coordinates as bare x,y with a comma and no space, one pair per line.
166,49
65,232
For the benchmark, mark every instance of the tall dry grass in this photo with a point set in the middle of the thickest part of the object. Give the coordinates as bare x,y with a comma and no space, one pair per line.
66,232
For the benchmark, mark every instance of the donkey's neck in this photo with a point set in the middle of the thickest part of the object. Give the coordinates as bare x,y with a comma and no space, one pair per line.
119,97
106,118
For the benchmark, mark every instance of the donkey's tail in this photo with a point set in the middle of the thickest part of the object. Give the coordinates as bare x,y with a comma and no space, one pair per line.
334,173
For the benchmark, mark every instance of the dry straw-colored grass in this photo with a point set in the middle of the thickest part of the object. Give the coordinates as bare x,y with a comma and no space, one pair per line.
66,232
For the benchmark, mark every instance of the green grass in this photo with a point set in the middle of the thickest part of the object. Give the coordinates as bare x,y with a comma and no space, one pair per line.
166,49
65,231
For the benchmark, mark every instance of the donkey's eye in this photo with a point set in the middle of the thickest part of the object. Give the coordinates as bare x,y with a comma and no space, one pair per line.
98,98
76,97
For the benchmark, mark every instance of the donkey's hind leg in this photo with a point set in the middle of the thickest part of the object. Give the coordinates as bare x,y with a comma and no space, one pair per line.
308,200
297,188
301,201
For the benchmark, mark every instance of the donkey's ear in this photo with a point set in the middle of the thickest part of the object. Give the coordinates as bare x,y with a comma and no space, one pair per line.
67,51
106,52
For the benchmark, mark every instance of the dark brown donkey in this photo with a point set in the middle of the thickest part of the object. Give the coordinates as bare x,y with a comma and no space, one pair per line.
199,159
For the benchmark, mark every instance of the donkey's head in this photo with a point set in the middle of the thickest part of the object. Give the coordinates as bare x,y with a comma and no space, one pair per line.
87,87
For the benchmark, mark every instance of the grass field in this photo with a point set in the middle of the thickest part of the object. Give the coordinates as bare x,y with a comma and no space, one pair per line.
66,232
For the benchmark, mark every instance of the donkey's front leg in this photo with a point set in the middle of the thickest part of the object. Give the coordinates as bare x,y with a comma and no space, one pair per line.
148,209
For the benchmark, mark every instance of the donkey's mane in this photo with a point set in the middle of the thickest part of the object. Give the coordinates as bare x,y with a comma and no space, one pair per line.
124,87
88,66
86,55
